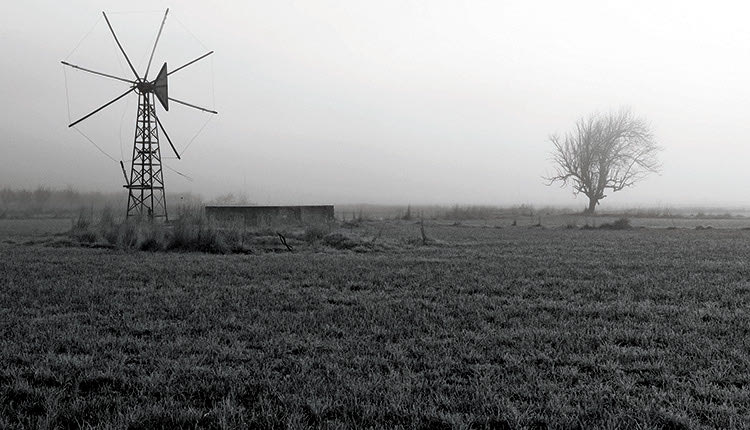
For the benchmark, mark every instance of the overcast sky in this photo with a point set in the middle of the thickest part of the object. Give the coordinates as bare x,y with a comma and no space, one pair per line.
381,101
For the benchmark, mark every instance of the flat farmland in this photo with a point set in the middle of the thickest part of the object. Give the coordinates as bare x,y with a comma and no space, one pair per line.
478,327
26,228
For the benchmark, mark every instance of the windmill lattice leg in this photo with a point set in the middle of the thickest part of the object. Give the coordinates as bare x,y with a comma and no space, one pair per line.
146,197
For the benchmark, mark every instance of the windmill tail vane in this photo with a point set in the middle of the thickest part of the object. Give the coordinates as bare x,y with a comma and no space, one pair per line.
145,185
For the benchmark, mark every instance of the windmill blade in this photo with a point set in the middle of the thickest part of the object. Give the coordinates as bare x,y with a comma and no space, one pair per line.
191,62
193,106
97,73
158,35
120,46
122,165
165,134
104,106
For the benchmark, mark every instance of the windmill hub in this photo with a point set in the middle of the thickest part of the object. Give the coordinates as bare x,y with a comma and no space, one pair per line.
158,87
144,87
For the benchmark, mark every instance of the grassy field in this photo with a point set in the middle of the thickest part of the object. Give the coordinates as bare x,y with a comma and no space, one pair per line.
25,228
482,327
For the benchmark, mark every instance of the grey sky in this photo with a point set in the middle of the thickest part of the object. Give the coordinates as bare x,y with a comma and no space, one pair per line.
387,101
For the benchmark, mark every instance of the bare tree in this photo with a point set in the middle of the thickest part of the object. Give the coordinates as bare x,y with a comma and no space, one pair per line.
612,151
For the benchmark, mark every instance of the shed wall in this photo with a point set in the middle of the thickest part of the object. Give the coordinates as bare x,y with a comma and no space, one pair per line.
271,215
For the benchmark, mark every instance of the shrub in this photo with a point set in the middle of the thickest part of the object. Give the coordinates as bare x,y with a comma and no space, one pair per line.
340,241
82,230
85,236
316,232
107,216
108,227
193,232
407,216
353,223
458,213
619,224
150,237
82,222
127,234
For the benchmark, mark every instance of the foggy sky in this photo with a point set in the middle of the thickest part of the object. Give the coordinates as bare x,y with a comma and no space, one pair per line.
382,101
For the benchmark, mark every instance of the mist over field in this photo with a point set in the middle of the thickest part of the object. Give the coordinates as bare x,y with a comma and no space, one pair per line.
398,214
393,102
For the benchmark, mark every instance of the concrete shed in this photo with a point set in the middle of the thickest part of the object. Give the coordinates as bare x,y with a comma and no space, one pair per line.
259,216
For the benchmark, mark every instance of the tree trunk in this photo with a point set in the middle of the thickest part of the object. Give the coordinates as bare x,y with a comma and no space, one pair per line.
592,206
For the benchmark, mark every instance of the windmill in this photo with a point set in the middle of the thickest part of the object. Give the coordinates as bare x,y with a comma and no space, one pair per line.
145,185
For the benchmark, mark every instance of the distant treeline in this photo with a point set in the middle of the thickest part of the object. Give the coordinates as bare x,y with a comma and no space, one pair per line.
65,203
486,212
47,202
453,212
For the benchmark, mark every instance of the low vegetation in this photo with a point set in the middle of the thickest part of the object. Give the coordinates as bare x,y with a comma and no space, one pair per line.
193,232
618,224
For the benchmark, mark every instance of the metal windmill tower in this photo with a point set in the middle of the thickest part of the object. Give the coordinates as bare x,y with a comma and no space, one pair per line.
145,186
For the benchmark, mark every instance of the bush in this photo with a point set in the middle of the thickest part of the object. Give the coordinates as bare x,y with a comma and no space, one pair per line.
108,227
193,232
150,237
316,232
619,224
340,241
107,216
85,236
407,216
472,212
82,222
81,230
127,234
